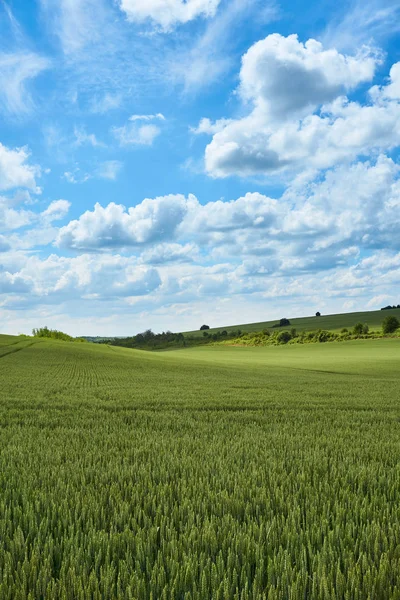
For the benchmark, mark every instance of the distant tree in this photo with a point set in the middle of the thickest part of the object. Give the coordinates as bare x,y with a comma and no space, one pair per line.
358,328
147,335
390,324
365,328
205,333
293,332
317,314
203,327
284,322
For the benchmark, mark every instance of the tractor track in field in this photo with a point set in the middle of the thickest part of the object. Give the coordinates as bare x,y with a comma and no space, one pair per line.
13,350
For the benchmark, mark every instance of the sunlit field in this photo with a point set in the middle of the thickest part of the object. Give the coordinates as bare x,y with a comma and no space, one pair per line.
373,318
213,472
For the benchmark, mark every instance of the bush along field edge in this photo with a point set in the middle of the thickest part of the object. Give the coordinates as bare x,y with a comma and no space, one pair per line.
281,334
390,328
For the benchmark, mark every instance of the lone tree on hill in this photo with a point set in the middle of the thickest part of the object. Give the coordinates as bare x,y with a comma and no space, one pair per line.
318,314
284,322
390,324
203,327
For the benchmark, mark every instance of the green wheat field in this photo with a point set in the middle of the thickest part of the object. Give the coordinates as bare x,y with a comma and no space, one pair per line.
206,473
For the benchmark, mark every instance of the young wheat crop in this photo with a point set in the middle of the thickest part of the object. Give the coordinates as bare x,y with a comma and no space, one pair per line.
200,474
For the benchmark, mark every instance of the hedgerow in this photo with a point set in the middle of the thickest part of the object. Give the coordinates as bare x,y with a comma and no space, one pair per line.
267,338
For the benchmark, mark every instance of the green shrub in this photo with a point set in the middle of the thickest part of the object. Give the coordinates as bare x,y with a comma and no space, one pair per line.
390,324
322,336
54,334
284,337
358,328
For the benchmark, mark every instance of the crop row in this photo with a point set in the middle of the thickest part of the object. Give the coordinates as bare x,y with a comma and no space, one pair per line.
125,476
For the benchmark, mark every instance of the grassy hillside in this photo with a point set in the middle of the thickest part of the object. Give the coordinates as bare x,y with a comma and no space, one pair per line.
6,340
215,472
331,322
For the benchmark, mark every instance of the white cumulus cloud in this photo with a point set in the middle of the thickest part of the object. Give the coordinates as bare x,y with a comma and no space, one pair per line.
285,78
300,114
15,171
153,220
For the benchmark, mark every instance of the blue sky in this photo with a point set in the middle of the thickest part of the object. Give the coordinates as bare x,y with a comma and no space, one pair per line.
167,163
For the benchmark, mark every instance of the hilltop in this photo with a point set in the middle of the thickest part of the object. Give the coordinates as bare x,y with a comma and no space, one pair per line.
334,322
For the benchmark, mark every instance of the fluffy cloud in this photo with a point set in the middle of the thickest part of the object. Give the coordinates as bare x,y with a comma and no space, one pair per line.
57,210
16,70
151,221
252,211
392,90
300,115
138,133
15,171
167,13
285,78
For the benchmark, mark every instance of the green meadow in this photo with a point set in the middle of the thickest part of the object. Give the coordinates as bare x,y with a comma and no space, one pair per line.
335,322
205,473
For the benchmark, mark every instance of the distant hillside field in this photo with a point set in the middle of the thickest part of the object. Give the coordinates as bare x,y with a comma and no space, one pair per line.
330,322
211,472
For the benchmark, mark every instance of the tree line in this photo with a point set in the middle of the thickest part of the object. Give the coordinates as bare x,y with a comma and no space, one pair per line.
54,334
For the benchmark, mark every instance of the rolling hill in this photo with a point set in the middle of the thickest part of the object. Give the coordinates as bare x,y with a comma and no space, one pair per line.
330,322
